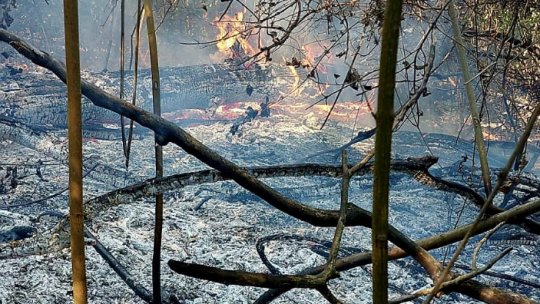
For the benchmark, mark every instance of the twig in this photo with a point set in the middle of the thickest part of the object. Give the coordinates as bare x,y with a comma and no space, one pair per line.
480,73
137,28
429,243
344,206
139,290
402,112
454,282
476,272
503,276
41,200
487,204
328,295
405,298
482,241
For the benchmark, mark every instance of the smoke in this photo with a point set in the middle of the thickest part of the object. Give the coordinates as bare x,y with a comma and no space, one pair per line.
324,46
41,23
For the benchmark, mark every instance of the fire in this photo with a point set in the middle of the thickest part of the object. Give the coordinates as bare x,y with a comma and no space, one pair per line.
295,90
314,57
233,36
312,60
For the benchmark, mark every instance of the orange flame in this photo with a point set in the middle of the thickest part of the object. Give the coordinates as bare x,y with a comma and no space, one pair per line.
233,33
295,90
313,57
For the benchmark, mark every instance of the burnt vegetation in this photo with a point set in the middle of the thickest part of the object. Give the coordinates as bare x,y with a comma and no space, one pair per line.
414,70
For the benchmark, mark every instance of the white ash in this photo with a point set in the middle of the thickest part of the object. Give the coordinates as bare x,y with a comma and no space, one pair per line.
224,231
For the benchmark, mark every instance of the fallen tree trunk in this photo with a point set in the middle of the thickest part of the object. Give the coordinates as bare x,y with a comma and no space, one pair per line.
39,98
39,139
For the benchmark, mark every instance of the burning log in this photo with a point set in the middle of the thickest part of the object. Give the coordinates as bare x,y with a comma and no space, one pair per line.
38,100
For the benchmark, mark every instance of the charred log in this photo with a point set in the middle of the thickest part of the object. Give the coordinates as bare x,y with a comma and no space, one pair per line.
39,99
54,146
16,233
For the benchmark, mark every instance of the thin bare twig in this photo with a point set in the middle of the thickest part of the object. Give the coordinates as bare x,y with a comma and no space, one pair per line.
482,242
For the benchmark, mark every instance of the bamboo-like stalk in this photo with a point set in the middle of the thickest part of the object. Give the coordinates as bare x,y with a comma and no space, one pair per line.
478,134
493,192
156,260
461,52
71,25
122,71
135,77
109,45
383,143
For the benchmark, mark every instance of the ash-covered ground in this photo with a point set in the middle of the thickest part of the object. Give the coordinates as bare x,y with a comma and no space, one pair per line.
219,224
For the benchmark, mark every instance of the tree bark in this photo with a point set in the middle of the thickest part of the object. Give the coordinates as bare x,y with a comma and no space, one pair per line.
71,25
383,145
158,229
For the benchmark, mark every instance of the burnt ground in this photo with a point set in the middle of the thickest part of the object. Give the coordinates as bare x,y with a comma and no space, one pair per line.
219,224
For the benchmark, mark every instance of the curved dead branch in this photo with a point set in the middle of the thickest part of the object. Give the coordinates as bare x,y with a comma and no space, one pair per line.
155,186
482,292
246,278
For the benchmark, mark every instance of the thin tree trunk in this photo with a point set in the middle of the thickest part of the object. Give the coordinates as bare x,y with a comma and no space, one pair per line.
156,260
383,143
71,25
122,72
109,45
135,77
462,56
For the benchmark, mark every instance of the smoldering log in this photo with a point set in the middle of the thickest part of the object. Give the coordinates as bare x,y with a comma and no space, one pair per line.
38,99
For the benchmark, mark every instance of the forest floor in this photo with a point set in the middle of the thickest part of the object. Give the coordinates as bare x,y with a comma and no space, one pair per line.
219,224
